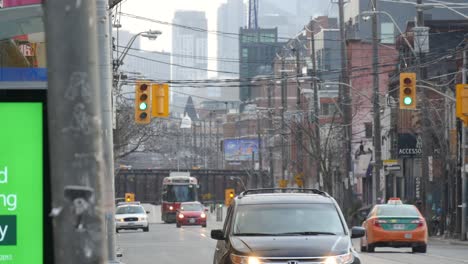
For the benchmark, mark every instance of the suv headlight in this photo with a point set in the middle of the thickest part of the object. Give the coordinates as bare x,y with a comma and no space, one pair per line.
142,218
237,259
341,259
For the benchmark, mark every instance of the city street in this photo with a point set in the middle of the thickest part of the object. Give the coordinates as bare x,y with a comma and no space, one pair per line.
165,243
192,244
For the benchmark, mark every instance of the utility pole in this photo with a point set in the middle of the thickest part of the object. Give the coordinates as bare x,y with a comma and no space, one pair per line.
204,144
426,140
260,156
210,143
217,144
316,115
346,108
104,28
376,188
271,180
78,167
284,94
299,160
464,201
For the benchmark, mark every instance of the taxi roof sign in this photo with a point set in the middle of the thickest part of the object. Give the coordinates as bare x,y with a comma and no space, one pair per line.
394,200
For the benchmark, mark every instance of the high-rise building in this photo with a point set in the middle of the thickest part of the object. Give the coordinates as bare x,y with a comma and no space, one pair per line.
289,16
257,49
359,27
189,46
189,52
231,17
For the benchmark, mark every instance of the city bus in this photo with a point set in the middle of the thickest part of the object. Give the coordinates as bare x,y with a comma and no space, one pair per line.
179,187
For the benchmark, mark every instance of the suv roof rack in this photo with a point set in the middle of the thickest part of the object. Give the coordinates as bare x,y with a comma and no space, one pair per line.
128,203
283,190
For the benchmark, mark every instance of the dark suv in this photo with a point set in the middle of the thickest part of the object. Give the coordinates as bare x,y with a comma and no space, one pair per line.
285,226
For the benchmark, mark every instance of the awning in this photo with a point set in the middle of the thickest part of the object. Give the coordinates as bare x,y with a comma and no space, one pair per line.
21,20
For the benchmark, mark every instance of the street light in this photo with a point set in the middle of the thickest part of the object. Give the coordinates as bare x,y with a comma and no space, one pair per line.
150,34
366,14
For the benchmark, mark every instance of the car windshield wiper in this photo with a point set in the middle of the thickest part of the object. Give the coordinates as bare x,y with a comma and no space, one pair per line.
306,233
254,234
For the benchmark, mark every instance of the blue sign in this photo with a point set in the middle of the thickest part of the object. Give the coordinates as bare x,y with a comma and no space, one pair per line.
240,149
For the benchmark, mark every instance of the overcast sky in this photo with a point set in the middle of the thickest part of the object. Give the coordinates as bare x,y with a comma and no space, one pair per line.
164,10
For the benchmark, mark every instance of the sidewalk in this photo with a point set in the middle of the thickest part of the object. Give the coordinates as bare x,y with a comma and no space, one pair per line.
449,241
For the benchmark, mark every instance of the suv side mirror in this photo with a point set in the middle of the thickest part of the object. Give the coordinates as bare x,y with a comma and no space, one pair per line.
147,212
217,234
357,232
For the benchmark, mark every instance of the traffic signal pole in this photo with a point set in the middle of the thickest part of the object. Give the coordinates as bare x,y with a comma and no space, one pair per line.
77,164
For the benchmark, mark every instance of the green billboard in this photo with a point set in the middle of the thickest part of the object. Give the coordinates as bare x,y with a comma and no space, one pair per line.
21,182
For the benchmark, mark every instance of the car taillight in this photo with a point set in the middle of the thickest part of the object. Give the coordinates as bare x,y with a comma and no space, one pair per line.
378,223
203,215
181,216
419,222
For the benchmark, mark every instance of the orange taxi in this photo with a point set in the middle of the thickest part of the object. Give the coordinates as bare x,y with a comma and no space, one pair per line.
395,225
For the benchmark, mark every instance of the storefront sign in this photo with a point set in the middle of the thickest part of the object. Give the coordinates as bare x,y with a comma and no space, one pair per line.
409,145
21,182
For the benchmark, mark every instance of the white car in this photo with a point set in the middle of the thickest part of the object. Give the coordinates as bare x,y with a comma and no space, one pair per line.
131,216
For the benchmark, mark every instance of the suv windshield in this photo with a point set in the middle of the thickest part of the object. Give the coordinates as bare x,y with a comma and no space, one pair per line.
278,219
191,207
130,210
397,210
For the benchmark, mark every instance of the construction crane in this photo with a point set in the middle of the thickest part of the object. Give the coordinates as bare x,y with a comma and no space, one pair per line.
253,14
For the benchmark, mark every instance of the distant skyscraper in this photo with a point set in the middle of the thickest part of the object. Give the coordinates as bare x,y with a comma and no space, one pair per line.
289,16
231,17
189,54
189,47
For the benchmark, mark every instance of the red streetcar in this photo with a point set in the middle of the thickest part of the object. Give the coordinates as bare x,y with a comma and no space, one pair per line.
192,213
178,188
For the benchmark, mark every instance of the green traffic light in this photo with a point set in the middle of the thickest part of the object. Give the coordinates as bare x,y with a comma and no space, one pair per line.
407,100
143,106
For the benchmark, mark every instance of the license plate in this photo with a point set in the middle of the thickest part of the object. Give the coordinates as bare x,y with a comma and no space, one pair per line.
192,221
131,223
408,236
399,226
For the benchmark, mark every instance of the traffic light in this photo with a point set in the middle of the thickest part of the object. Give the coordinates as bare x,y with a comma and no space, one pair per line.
299,180
283,183
462,102
229,195
408,90
142,103
160,100
129,197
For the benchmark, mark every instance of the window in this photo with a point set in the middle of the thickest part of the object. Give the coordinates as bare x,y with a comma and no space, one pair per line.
328,109
387,33
130,210
267,37
368,129
245,52
296,218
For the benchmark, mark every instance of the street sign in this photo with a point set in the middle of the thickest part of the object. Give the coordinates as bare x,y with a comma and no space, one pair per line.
21,182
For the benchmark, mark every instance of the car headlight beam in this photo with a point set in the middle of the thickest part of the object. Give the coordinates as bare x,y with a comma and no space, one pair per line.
340,259
238,259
